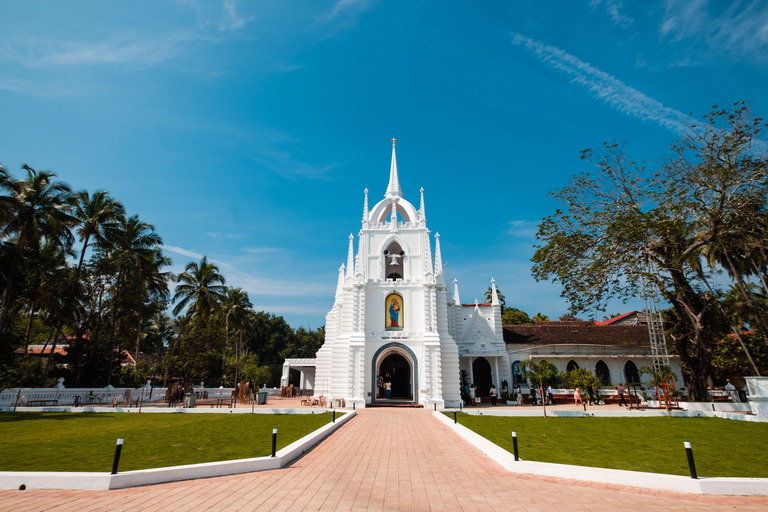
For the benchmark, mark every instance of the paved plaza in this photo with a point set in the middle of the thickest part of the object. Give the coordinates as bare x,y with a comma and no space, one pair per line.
384,459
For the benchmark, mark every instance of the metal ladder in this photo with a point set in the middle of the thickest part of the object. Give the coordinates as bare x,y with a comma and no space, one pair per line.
655,324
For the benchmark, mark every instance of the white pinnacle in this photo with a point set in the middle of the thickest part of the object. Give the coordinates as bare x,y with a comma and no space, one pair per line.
393,189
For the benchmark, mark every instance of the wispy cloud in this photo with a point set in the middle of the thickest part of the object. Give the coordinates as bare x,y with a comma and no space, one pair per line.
717,29
224,15
614,9
523,228
122,49
605,87
183,252
343,8
261,250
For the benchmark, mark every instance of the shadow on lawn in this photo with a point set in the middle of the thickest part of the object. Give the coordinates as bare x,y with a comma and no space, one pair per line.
10,417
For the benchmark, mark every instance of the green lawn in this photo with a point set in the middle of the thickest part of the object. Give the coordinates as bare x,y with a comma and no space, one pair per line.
720,447
86,441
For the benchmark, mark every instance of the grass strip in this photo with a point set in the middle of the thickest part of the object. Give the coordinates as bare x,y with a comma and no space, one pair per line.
86,441
721,448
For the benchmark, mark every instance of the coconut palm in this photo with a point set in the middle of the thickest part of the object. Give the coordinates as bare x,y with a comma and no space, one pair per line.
39,208
489,297
540,317
96,215
234,310
199,292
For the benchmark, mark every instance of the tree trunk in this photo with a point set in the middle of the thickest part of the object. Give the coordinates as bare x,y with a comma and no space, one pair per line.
138,344
32,316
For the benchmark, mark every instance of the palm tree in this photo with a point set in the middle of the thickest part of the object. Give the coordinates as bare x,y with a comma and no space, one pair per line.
234,308
489,297
199,292
135,248
659,377
540,317
39,208
96,215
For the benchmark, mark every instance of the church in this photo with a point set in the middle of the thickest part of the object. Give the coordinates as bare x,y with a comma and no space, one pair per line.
397,320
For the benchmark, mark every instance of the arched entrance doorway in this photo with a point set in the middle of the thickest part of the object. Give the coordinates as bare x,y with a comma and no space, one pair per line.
397,362
396,369
481,372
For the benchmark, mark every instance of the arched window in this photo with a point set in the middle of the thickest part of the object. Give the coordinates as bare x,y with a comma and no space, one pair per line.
393,262
603,373
572,365
631,373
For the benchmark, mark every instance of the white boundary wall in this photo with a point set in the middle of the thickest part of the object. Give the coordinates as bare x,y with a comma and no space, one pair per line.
105,481
675,483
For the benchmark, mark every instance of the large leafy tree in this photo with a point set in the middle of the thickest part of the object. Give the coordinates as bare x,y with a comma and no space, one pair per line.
625,227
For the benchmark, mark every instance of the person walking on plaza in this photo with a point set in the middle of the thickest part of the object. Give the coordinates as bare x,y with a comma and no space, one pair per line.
493,395
533,397
519,395
620,390
389,389
577,397
550,395
591,394
472,389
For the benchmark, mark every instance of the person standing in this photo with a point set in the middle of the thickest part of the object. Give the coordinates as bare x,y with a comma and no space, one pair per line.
519,395
591,394
533,397
389,389
493,395
550,395
620,390
577,397
472,394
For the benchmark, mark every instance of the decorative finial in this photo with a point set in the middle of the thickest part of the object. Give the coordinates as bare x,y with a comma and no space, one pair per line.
438,257
365,207
393,142
456,292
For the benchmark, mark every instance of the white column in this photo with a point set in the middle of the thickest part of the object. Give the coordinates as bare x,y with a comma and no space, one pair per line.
496,366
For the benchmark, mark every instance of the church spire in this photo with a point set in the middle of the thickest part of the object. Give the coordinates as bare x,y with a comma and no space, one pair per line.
340,282
365,207
456,298
351,257
427,256
438,257
393,189
422,211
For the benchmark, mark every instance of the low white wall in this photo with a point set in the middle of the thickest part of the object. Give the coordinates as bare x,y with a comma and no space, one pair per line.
104,481
676,483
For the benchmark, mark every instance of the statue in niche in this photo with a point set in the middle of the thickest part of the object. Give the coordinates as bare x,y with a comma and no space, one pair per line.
394,313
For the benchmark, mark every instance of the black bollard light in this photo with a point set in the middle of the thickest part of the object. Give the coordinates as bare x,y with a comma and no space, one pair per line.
435,406
689,453
274,441
353,406
118,449
461,405
514,444
334,416
454,415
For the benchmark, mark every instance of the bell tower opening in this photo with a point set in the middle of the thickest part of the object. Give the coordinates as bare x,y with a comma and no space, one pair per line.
393,266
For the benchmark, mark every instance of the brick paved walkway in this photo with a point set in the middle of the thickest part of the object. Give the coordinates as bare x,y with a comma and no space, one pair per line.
385,459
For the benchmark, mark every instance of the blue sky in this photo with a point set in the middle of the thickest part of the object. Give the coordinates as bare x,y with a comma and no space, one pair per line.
247,131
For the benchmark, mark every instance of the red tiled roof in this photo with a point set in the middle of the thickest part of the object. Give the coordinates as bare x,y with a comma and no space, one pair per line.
615,319
129,359
576,332
38,350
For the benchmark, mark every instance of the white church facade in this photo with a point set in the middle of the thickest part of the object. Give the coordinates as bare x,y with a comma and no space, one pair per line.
397,318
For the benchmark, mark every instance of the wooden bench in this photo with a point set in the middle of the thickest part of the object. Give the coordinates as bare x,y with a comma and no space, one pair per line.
42,403
215,402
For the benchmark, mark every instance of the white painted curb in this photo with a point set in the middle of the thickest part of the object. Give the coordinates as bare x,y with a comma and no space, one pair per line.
104,481
676,483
